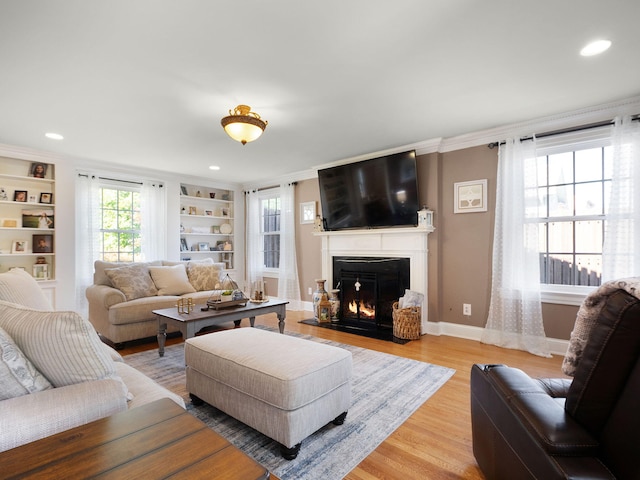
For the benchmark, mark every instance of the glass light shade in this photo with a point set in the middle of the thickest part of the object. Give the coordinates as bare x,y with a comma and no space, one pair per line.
243,125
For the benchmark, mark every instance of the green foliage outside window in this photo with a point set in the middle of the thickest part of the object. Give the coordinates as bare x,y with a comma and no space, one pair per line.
120,229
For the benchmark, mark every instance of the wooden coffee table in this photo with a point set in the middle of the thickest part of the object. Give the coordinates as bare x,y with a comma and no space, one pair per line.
157,440
191,323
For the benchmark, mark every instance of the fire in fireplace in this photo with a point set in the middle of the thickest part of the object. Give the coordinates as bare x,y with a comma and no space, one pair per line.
368,287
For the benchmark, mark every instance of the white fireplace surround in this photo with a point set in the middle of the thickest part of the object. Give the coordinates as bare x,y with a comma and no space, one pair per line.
408,242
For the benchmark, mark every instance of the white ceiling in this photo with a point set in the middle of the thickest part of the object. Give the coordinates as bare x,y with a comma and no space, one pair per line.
146,82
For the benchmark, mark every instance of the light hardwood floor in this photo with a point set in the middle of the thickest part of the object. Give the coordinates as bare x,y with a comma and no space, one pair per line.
435,442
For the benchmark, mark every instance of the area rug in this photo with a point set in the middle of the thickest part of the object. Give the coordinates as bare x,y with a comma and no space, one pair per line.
386,390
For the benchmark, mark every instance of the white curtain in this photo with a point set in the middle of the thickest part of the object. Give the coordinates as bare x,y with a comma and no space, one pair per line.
254,247
515,312
621,248
153,222
288,285
87,237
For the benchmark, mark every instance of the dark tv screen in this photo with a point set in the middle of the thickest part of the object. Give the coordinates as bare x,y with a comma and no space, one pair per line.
381,192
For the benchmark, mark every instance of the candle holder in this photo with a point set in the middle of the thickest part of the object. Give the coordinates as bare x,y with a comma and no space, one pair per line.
185,305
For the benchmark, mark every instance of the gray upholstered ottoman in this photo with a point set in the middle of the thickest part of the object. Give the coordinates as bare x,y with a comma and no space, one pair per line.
282,386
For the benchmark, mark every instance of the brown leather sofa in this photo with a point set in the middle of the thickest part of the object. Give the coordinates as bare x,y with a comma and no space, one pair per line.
585,428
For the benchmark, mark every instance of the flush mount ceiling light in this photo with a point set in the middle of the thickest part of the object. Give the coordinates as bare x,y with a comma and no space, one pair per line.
594,48
54,136
243,125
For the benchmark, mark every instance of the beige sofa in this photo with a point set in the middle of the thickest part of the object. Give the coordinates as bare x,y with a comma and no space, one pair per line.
124,295
55,373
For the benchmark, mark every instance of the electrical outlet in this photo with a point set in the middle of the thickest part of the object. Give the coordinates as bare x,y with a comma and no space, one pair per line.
466,309
310,291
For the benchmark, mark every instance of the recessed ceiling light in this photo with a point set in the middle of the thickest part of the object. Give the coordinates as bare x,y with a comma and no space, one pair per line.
54,136
214,167
594,48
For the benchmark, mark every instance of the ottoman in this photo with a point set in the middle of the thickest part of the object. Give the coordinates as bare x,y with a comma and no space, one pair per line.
285,387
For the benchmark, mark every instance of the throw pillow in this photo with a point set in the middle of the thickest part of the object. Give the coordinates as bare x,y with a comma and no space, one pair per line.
204,277
17,286
63,346
587,317
171,280
18,376
132,280
101,278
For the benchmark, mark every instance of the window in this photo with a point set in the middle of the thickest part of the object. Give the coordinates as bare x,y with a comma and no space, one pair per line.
270,231
573,187
120,234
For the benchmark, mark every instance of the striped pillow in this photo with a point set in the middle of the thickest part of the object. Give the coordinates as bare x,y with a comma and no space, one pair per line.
17,286
63,346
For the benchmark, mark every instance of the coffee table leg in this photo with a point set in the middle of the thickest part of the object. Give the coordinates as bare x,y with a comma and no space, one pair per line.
281,316
252,321
236,323
162,337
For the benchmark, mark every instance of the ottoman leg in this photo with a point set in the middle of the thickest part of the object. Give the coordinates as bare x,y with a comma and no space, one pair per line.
290,453
339,420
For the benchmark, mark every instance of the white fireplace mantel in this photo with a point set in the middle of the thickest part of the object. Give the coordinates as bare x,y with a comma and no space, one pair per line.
409,242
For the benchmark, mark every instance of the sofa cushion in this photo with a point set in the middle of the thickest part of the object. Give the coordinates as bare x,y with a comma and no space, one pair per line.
17,286
18,376
204,277
132,280
171,280
99,266
63,346
204,261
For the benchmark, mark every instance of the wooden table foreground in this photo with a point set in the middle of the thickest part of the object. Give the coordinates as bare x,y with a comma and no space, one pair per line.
157,440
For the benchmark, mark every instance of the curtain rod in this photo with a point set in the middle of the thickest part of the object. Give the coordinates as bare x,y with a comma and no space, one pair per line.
589,126
161,185
266,188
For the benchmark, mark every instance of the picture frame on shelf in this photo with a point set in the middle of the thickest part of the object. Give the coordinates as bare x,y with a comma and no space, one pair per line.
41,271
183,245
32,199
208,213
20,196
183,190
19,246
9,223
42,243
42,219
38,170
192,211
46,197
225,212
307,212
215,229
203,246
470,197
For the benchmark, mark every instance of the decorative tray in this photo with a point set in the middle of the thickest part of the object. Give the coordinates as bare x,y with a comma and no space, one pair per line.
217,305
264,300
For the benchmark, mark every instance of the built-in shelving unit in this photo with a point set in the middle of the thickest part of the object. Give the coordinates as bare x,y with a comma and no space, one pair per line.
27,217
206,224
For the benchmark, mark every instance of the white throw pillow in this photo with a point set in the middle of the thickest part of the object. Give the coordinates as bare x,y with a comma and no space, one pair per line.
17,286
18,376
171,280
63,346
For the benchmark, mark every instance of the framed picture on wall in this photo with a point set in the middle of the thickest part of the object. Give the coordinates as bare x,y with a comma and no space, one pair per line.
307,212
470,196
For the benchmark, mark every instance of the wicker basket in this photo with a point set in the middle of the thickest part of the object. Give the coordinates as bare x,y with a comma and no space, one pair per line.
406,322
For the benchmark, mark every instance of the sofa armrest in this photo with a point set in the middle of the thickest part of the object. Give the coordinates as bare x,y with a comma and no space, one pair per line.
539,413
104,296
37,415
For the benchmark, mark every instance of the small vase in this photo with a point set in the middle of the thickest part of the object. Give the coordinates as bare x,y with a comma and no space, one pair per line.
334,299
317,296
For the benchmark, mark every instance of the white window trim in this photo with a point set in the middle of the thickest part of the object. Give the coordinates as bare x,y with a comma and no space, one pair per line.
564,294
267,194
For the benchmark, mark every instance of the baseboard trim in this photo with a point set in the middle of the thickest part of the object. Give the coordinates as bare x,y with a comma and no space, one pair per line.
556,346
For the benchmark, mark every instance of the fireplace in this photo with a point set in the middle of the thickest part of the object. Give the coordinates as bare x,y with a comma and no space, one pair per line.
368,287
405,243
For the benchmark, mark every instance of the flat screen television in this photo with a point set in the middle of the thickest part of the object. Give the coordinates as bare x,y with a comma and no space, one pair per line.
375,193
